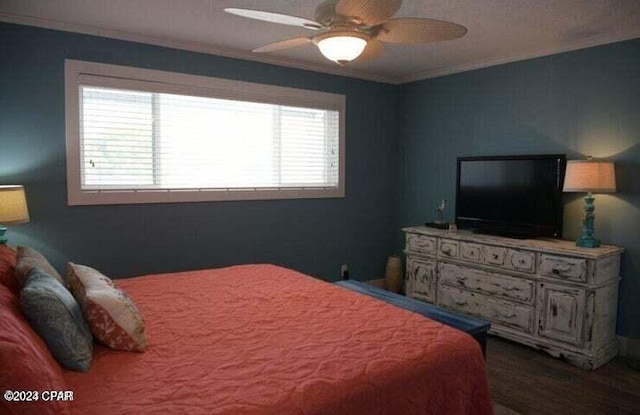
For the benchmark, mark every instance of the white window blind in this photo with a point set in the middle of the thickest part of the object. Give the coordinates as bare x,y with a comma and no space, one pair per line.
181,139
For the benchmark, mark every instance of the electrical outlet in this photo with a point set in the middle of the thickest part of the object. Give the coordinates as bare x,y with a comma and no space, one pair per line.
344,272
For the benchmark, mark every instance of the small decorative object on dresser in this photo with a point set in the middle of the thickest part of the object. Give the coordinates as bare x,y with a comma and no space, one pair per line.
440,211
439,223
545,293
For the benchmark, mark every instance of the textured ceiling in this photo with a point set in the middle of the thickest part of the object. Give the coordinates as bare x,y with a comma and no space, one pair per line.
499,30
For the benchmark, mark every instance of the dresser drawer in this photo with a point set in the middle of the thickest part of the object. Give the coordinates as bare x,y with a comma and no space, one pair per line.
524,261
448,248
494,255
421,244
502,286
501,312
470,252
565,268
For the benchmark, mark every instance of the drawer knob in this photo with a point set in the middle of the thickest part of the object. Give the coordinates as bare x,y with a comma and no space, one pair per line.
495,256
460,302
559,271
509,314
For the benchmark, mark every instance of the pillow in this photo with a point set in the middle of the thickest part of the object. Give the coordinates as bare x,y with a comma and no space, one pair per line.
28,259
112,316
25,362
8,258
56,316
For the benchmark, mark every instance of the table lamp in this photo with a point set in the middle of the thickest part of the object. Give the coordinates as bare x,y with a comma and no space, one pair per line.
589,176
13,208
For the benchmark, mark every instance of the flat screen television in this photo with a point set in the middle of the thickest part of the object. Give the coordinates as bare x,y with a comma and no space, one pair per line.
515,196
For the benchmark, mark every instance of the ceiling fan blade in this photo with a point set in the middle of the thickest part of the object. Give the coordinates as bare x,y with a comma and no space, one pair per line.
419,30
285,44
373,50
369,12
275,18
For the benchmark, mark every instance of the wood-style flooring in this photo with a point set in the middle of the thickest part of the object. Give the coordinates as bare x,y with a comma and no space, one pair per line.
531,382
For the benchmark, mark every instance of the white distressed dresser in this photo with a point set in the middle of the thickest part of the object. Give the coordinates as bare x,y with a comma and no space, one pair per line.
544,293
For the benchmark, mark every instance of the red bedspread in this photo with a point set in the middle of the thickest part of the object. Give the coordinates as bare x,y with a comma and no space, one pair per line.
261,339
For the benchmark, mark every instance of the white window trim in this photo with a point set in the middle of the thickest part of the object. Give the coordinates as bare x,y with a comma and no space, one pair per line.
99,74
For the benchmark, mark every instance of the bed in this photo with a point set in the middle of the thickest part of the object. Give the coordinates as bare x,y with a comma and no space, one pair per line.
262,339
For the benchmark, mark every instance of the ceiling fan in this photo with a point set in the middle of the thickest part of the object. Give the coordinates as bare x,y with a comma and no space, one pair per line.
355,29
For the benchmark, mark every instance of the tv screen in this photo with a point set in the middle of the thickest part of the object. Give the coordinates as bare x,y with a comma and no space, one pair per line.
517,196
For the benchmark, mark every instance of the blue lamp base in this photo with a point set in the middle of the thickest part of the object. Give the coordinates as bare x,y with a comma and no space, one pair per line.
3,239
587,240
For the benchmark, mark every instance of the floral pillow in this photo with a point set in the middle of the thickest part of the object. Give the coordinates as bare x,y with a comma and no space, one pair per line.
113,318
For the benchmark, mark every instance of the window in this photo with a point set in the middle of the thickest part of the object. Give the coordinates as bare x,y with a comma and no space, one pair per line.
144,136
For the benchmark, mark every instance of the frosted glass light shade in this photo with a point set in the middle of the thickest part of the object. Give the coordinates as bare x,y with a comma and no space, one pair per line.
342,49
590,176
13,205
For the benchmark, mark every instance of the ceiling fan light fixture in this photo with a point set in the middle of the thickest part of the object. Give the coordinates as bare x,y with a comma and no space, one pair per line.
342,47
355,29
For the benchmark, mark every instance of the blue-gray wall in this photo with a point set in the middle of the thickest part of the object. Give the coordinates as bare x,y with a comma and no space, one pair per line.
402,144
313,236
580,103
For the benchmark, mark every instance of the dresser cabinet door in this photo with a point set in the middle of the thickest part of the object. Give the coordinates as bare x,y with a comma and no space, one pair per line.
561,313
422,276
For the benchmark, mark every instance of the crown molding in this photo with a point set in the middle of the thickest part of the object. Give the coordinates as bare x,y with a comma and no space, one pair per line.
297,64
190,46
568,47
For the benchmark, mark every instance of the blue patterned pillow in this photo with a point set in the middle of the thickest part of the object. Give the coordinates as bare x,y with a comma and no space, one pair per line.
56,316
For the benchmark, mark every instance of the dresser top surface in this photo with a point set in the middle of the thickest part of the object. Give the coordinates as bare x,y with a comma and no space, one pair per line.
556,246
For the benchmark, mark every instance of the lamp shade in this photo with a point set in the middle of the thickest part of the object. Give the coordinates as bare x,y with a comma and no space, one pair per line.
13,205
341,47
590,176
